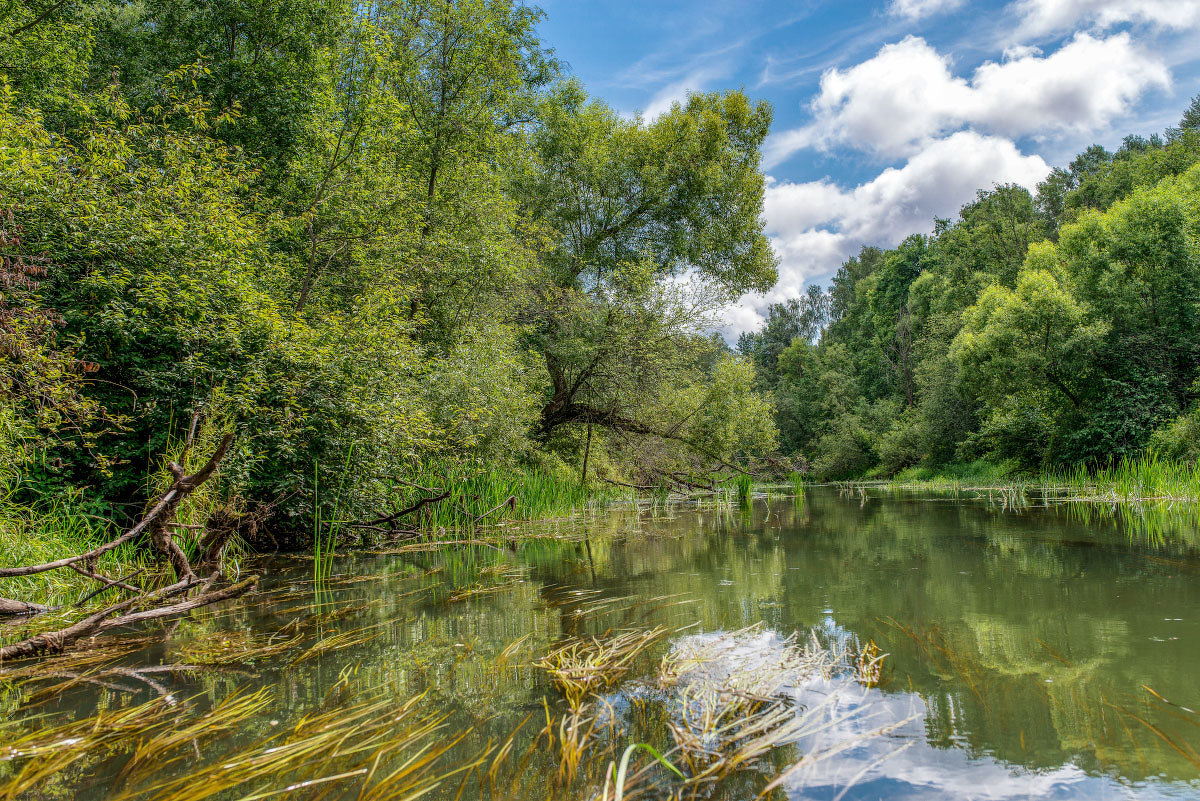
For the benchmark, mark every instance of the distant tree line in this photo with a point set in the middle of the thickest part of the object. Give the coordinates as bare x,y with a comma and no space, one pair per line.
1038,330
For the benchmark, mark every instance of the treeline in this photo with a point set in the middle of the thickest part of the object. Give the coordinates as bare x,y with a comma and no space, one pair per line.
1037,331
374,240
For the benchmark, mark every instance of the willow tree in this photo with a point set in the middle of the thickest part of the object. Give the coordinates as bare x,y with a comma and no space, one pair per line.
654,224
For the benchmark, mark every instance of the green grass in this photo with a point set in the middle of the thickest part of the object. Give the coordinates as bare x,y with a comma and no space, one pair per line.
481,495
962,473
1145,478
50,530
744,487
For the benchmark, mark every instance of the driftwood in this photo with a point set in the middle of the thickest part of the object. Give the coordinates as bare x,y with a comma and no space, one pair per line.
390,520
104,620
510,502
158,523
10,608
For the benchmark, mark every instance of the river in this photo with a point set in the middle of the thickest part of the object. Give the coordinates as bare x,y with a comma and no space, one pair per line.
1031,652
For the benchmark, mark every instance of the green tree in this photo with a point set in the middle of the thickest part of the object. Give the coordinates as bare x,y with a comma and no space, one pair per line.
630,206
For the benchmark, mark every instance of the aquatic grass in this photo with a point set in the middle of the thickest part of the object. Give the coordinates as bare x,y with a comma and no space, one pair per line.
868,665
487,495
340,641
619,772
744,487
234,647
50,748
586,665
386,748
1144,478
153,754
797,481
327,531
731,693
1147,477
573,738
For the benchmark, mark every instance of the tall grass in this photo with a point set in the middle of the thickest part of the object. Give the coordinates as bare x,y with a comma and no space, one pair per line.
326,531
483,495
1144,478
54,528
744,486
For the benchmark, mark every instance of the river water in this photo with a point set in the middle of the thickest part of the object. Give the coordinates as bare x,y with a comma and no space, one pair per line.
1032,652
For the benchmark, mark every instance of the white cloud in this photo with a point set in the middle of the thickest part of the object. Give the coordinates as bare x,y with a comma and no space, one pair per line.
915,9
1040,17
896,102
677,92
816,225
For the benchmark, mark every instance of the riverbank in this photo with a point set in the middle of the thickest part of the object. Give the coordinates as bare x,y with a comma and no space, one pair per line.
1144,479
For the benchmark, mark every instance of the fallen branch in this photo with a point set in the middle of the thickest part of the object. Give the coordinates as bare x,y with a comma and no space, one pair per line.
627,484
105,580
155,521
119,583
511,503
10,608
104,620
394,516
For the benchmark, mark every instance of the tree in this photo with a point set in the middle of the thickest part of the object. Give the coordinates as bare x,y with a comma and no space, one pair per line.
802,318
1015,342
1191,117
631,207
266,59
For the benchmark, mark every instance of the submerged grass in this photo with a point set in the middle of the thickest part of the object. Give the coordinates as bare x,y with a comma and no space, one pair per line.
584,666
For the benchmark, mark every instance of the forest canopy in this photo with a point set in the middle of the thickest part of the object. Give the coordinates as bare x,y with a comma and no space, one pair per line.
1037,330
367,238
374,240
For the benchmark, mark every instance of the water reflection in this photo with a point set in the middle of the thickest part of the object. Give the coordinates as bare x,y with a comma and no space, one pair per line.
1034,652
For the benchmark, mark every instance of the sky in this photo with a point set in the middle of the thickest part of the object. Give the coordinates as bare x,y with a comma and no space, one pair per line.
889,113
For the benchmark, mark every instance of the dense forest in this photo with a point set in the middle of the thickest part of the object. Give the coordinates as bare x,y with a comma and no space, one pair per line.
377,242
395,243
1035,332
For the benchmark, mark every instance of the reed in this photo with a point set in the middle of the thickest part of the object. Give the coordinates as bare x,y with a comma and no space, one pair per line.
587,665
1144,478
744,488
487,495
327,530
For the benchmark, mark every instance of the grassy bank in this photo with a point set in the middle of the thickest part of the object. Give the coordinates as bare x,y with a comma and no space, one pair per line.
54,530
1146,478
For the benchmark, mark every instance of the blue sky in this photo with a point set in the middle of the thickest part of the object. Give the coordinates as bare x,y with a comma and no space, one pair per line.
891,112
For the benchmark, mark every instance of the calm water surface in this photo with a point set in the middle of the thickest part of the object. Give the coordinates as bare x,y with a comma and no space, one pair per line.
1032,654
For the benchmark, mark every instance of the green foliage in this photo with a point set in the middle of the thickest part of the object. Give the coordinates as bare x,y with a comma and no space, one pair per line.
1049,331
367,240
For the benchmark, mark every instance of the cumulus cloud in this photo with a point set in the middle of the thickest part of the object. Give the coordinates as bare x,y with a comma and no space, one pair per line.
915,9
1040,17
895,103
816,225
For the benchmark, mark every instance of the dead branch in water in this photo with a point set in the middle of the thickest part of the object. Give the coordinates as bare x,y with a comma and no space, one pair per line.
156,521
390,520
9,608
104,620
159,524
